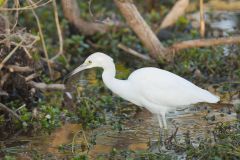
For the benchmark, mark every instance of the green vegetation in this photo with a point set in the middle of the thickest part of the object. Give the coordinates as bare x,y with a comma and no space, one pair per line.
92,105
226,144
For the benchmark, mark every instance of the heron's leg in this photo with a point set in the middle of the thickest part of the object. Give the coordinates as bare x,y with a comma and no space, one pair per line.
164,120
165,129
162,132
159,116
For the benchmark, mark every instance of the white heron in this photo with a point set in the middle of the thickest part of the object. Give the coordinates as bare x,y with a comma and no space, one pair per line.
157,90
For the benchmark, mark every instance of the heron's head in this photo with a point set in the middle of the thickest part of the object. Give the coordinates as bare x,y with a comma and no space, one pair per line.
97,59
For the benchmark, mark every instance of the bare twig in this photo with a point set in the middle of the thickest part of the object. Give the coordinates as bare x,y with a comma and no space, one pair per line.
134,53
60,52
90,9
31,77
22,106
42,39
202,21
177,11
11,112
9,55
74,138
204,43
28,39
16,3
27,53
44,86
6,30
30,7
15,68
97,46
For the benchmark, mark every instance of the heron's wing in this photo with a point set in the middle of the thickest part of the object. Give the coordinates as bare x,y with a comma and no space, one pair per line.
164,88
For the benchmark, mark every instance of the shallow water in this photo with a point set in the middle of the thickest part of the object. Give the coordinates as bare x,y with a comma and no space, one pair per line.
141,131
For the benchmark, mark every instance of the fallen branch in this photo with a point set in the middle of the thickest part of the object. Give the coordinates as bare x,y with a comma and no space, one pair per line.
44,86
204,43
142,29
135,53
72,14
11,112
150,41
177,11
15,68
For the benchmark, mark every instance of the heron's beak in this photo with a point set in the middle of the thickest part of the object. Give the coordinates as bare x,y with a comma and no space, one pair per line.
78,69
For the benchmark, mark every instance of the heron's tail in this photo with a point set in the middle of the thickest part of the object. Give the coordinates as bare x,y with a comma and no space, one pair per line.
209,97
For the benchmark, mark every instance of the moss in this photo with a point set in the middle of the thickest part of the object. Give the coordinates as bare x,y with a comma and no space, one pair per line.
7,157
225,145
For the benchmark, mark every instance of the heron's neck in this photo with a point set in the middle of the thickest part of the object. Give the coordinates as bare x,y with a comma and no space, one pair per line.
122,88
109,71
115,85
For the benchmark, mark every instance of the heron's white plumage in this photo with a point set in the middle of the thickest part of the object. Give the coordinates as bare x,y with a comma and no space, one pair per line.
155,89
164,88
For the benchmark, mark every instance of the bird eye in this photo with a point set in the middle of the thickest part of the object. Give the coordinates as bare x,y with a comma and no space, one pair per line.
89,62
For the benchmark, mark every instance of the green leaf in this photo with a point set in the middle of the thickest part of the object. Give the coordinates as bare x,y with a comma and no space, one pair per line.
2,2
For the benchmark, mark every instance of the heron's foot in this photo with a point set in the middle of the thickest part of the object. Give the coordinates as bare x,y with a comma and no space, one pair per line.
168,141
161,142
157,146
161,137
